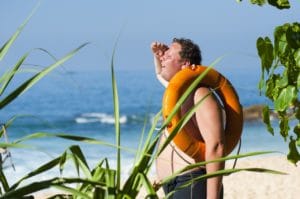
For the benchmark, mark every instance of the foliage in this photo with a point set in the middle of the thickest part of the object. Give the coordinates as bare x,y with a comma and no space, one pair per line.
280,81
280,4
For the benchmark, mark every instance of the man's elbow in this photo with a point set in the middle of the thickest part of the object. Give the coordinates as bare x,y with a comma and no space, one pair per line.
216,150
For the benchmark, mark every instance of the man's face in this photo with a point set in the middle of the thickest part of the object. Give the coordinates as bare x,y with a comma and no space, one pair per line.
171,61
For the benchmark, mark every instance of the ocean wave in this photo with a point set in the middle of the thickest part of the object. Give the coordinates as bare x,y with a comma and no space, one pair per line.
99,117
106,118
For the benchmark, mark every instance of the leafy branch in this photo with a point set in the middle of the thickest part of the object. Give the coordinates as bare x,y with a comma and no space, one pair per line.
280,4
280,82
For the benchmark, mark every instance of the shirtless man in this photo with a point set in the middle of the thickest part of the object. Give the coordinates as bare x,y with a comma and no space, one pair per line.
206,124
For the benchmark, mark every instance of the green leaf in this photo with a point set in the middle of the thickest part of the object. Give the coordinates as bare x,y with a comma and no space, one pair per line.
297,132
285,98
297,57
280,4
261,84
266,119
272,91
293,155
284,127
280,43
298,82
258,2
293,35
298,113
284,80
265,52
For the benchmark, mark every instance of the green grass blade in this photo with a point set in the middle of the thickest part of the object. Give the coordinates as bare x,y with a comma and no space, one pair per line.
3,180
73,138
7,124
98,193
15,145
117,118
4,49
62,161
11,74
80,159
201,164
222,173
40,185
2,78
144,164
72,191
45,167
30,82
97,175
110,181
149,188
141,151
151,132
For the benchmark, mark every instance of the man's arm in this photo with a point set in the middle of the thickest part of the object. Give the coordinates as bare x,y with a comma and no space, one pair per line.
158,50
210,124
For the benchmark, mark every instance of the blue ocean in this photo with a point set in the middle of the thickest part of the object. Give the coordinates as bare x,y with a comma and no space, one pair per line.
80,103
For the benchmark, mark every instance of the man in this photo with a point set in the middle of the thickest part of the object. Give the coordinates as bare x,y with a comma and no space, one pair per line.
206,124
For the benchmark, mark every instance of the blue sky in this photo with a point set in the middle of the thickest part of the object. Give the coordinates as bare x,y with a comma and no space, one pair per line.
219,27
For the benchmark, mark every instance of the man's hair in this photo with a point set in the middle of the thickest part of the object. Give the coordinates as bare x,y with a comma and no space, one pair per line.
189,50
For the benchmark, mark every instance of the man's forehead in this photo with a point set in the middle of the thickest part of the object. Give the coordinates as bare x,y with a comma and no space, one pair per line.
175,46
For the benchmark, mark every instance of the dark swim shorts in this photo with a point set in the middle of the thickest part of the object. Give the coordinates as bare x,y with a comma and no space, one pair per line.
195,190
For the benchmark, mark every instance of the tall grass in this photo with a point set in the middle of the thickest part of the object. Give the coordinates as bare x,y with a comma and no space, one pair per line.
102,181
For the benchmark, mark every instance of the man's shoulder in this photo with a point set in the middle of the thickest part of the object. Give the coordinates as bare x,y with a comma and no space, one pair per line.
201,92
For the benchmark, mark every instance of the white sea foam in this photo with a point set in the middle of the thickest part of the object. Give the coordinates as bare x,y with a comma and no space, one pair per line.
30,160
99,117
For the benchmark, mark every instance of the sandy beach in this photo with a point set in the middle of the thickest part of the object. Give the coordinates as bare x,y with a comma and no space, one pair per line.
252,185
263,185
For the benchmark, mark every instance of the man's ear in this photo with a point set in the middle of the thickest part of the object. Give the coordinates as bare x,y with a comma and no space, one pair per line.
185,64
